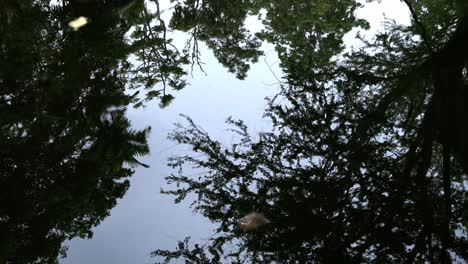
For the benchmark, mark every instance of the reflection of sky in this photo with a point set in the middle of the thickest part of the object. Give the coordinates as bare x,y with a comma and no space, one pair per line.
145,220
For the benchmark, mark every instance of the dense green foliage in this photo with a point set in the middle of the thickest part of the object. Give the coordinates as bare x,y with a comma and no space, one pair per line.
368,158
66,148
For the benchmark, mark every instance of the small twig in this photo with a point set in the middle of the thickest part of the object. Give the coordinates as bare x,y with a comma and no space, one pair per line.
272,72
195,54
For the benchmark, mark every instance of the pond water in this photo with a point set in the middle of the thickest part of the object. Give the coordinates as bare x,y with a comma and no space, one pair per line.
207,131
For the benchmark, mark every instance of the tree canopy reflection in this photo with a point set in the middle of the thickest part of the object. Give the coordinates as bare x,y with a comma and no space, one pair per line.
367,161
66,147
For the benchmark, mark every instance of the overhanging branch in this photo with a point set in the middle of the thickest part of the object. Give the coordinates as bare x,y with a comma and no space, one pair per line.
423,29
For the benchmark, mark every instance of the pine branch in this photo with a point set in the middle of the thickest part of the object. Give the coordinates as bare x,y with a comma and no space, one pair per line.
423,29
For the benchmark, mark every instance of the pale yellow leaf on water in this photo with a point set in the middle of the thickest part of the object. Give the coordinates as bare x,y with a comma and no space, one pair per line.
79,22
253,221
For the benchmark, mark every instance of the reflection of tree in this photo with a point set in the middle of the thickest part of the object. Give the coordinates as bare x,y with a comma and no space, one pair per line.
220,24
64,137
295,27
367,161
160,61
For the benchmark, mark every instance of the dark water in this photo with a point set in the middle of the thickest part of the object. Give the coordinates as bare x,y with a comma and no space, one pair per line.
366,162
64,137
